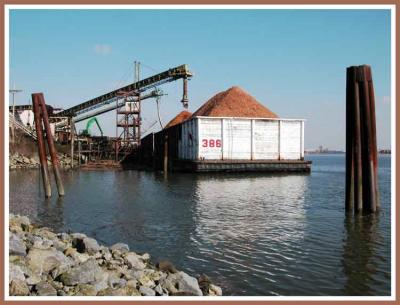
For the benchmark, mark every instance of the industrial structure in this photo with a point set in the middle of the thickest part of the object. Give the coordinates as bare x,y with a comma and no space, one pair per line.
230,132
126,101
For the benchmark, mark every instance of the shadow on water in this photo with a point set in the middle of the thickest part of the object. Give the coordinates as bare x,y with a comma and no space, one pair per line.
362,237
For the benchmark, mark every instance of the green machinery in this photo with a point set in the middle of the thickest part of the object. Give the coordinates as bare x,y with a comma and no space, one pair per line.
89,124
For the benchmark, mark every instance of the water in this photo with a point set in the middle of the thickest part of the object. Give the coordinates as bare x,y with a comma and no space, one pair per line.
253,234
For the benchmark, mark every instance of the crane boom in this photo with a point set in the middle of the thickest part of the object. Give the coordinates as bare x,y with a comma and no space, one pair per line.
136,87
90,123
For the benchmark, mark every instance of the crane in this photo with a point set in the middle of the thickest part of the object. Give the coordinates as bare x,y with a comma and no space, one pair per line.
89,124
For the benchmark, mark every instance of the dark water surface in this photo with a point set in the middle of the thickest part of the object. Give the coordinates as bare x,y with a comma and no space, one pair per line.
253,234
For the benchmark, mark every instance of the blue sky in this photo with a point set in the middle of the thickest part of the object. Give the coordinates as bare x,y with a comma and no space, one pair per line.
293,61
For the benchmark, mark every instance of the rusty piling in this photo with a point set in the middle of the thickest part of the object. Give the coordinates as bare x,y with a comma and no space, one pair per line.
72,141
50,144
166,154
361,151
41,144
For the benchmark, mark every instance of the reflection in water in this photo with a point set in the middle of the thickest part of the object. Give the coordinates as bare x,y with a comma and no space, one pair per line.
253,234
235,215
359,252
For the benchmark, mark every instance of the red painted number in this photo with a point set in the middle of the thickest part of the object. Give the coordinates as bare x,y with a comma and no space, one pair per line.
211,143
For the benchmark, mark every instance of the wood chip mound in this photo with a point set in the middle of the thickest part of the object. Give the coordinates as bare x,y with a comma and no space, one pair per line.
234,102
180,118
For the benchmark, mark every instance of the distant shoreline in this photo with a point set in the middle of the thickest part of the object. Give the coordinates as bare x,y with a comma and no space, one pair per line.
339,153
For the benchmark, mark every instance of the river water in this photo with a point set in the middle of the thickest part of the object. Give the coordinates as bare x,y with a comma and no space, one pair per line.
252,234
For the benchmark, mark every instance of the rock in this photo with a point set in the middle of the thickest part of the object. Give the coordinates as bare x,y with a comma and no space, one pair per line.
185,283
44,288
78,235
86,244
46,233
86,273
125,291
168,285
107,256
57,285
121,247
134,261
132,283
15,273
204,283
76,256
91,245
166,266
19,288
146,281
19,220
33,279
85,290
215,290
146,256
114,278
63,237
145,291
16,245
40,260
158,289
60,246
43,244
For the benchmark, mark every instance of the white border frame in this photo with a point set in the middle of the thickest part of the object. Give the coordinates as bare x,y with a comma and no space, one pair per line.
392,9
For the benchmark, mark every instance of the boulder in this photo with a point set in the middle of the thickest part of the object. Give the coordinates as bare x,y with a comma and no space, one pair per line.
214,290
19,288
19,221
16,245
15,273
121,247
158,289
86,244
85,290
125,291
146,291
134,261
185,284
86,273
45,260
44,288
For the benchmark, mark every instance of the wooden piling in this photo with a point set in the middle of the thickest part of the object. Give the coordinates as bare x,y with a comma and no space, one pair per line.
166,154
50,144
358,186
349,197
361,151
72,142
373,129
369,186
41,144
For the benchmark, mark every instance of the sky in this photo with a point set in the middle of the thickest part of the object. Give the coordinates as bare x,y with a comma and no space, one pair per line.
292,61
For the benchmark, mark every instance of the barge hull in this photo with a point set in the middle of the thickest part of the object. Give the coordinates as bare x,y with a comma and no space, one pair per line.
242,166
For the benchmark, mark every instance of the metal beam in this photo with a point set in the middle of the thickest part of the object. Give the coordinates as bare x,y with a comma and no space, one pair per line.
136,87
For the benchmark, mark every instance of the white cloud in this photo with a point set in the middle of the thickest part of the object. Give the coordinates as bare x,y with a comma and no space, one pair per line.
102,49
